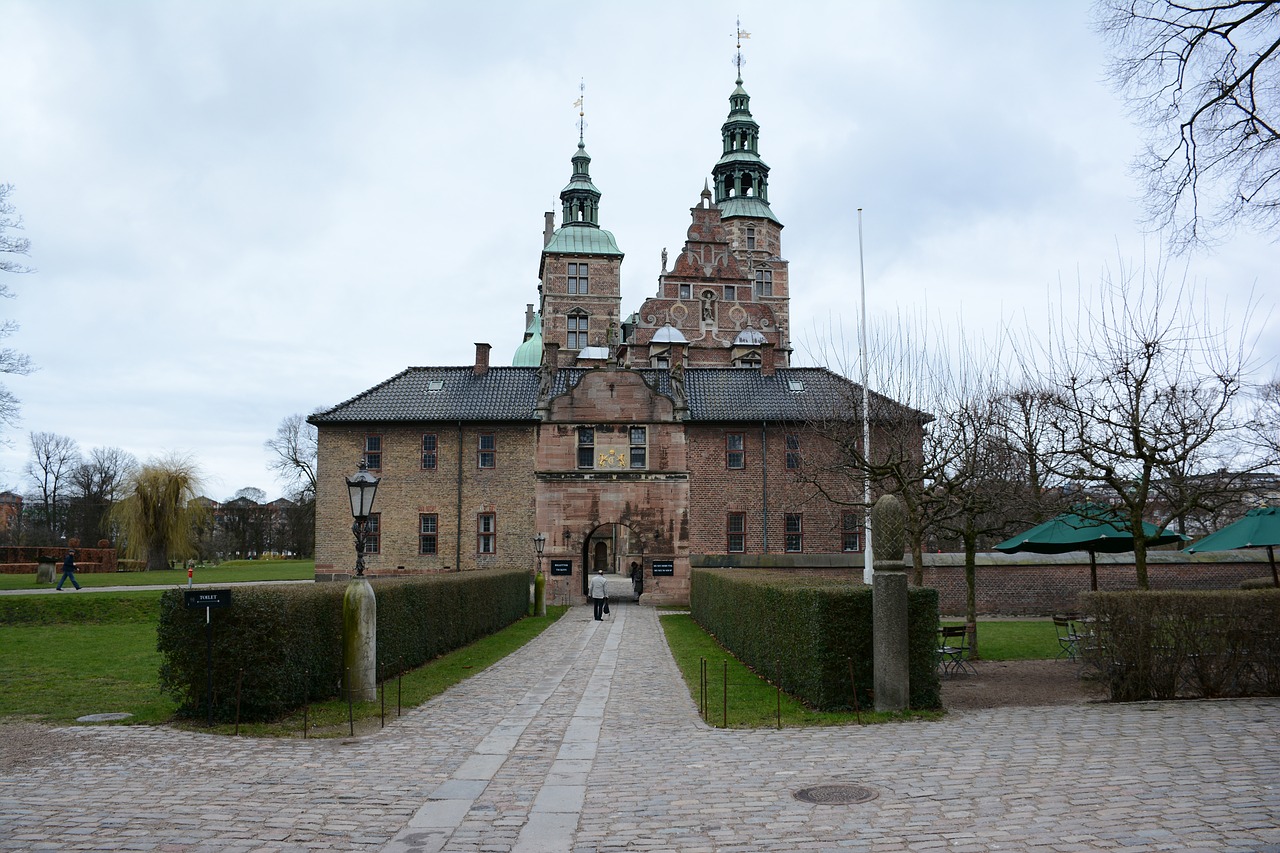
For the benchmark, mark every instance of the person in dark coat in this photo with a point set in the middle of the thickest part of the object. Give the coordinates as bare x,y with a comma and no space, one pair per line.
68,571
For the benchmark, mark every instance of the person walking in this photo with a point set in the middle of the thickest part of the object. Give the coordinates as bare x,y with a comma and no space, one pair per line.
68,571
597,591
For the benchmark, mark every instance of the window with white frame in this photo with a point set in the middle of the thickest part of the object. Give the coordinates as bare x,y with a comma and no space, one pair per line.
487,533
850,531
487,451
428,529
736,532
429,453
639,446
735,454
373,452
794,530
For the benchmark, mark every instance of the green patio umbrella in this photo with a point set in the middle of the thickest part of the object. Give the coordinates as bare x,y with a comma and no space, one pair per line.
1093,529
1260,528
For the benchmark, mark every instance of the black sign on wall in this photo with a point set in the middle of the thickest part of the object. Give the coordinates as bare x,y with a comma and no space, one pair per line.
663,567
562,567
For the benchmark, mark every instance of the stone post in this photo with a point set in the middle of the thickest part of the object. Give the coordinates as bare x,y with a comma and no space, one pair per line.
360,640
889,605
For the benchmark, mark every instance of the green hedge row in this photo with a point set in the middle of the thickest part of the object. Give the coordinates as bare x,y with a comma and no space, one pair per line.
1166,644
284,642
809,627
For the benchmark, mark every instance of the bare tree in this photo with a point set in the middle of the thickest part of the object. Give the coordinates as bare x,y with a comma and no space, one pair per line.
95,485
295,448
1204,77
53,460
1145,392
12,363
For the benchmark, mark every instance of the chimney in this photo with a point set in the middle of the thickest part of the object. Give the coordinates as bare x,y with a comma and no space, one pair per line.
766,359
551,353
528,317
548,226
482,360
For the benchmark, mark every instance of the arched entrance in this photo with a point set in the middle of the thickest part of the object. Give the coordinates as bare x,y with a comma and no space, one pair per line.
613,547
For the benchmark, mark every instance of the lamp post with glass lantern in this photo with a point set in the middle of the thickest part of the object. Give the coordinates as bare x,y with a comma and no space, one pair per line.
359,607
540,580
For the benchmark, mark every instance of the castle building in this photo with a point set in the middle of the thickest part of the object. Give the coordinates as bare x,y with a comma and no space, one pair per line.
675,436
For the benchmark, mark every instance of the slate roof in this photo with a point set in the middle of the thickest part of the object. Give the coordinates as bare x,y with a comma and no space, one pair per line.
721,395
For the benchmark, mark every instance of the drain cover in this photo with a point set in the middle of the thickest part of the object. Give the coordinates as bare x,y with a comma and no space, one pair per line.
835,795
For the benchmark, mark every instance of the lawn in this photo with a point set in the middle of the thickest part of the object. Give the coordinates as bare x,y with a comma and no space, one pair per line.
1033,639
238,571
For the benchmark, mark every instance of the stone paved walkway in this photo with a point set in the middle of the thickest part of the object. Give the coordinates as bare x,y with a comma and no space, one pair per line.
586,740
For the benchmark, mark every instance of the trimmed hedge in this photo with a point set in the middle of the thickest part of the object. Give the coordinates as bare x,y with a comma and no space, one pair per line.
812,626
287,639
1167,644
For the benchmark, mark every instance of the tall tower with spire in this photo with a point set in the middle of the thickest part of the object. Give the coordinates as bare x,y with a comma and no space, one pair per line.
725,302
580,270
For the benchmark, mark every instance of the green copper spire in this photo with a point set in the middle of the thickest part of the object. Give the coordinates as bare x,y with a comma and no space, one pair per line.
741,177
580,198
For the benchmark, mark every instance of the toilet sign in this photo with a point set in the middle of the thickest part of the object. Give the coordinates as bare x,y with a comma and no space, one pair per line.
196,598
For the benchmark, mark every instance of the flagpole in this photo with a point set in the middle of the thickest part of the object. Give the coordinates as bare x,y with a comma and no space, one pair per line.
867,554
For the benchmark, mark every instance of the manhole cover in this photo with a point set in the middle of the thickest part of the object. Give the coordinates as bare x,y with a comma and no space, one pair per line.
835,795
103,718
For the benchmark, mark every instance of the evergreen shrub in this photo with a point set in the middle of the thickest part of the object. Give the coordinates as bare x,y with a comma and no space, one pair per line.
801,631
1177,643
284,642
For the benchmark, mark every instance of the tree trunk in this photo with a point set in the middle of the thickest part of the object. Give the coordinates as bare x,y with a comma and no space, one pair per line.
970,593
917,563
1139,549
157,556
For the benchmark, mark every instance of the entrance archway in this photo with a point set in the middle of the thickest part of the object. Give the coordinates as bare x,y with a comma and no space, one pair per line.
613,546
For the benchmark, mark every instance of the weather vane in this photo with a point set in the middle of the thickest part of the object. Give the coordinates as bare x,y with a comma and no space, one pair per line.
742,34
582,121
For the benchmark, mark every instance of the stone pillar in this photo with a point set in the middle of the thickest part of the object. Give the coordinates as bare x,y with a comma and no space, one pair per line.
889,605
360,640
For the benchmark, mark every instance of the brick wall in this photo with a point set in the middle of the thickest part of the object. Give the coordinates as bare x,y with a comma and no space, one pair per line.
1016,585
407,490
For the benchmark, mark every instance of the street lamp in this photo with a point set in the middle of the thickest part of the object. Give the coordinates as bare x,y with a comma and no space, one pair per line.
540,580
361,488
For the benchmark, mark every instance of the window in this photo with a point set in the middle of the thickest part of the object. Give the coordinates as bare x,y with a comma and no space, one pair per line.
577,325
486,533
373,452
686,291
578,278
751,237
736,526
764,282
850,535
735,455
793,451
487,454
429,451
730,293
427,530
639,446
586,447
373,533
663,361
795,532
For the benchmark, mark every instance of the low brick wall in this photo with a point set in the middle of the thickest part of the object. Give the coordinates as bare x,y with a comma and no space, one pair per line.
22,560
1034,585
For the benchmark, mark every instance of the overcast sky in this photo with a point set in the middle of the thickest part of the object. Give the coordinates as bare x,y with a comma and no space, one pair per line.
243,210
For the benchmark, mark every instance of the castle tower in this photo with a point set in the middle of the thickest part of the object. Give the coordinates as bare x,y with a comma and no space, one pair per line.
580,272
726,294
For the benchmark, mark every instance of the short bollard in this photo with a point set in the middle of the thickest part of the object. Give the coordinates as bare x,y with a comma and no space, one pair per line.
351,720
239,679
726,693
306,700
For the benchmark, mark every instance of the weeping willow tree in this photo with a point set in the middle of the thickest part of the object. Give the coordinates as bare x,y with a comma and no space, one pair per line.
158,515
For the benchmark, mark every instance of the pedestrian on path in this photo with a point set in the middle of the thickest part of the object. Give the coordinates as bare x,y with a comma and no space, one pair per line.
597,593
68,571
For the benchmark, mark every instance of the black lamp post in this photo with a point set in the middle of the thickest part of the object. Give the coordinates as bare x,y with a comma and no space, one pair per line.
540,543
361,488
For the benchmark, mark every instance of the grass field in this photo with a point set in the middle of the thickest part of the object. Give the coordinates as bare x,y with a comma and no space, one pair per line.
238,571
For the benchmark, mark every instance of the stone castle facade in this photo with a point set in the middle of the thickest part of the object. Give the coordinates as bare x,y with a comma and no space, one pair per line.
675,436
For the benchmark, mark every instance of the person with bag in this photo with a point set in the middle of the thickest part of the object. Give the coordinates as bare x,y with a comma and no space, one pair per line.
68,571
596,590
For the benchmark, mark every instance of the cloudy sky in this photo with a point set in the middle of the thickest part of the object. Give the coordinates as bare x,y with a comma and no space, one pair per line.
242,210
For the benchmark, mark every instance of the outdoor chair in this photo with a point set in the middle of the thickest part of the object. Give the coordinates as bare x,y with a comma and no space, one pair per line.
953,651
1069,637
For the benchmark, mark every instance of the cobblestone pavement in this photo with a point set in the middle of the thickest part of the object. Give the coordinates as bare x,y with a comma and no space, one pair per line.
587,740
